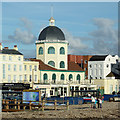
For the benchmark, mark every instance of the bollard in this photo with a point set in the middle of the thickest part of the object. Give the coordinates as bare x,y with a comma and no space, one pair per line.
30,107
7,106
18,105
15,102
55,104
43,102
67,104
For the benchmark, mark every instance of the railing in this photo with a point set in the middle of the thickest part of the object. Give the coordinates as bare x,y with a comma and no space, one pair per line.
31,104
61,41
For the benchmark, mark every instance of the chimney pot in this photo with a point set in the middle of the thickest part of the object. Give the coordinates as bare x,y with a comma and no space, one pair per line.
6,47
15,47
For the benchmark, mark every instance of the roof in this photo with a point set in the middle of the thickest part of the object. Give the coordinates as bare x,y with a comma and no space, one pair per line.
10,51
51,33
112,74
72,66
98,58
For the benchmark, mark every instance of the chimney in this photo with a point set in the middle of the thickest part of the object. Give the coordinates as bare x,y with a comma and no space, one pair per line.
5,47
15,47
0,46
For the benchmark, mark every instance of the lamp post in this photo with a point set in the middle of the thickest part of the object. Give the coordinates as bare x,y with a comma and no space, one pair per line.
32,77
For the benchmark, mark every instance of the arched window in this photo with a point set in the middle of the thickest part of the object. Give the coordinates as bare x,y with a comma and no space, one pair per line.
52,63
70,77
40,51
45,76
54,76
62,64
62,77
78,77
51,50
62,50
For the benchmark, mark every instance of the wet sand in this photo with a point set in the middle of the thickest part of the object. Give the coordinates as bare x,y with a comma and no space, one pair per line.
108,110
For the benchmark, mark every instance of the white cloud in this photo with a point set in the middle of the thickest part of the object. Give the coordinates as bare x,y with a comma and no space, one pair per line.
103,40
24,36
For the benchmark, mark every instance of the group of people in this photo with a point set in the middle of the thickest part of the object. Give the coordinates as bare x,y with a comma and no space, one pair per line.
96,101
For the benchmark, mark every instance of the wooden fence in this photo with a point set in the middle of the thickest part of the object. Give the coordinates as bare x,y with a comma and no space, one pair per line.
15,105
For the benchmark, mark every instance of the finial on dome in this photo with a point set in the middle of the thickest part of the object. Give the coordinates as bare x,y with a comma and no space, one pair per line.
52,21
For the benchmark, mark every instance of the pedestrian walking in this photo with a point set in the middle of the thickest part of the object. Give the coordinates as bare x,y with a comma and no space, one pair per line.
100,101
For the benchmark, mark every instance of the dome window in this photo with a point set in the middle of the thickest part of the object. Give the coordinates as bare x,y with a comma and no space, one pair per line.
62,50
62,77
40,51
45,77
62,64
54,77
51,50
70,77
52,63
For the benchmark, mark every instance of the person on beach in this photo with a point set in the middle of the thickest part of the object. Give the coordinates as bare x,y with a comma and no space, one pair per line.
92,101
100,102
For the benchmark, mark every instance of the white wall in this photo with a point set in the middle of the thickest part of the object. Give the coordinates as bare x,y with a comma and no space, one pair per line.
103,67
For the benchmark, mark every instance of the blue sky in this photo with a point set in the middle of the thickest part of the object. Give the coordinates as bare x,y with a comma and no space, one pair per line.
90,27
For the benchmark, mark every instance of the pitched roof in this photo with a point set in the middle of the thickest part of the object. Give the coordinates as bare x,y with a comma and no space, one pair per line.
10,51
42,65
112,74
98,58
72,66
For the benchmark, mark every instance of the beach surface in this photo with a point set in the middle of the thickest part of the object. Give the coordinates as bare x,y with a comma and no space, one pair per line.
108,110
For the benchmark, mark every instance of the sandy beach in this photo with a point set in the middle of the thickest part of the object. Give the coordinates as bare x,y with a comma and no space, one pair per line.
109,110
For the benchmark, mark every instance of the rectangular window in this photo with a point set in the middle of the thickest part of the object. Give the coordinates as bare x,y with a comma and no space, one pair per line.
14,67
25,78
115,88
35,78
35,67
111,89
30,78
9,78
9,67
14,78
3,71
25,67
19,58
30,68
4,58
20,78
20,68
10,57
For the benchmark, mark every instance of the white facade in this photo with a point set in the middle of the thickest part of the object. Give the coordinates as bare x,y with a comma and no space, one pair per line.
56,57
100,69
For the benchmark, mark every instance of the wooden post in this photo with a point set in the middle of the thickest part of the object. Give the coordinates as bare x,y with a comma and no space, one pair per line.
55,104
67,104
18,105
15,102
24,107
7,106
30,107
43,102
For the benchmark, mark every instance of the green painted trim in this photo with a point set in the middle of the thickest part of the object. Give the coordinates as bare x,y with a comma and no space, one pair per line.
62,71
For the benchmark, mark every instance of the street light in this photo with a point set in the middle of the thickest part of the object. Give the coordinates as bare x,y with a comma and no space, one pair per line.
32,77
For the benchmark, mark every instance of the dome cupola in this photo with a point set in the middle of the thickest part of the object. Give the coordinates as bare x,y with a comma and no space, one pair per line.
51,32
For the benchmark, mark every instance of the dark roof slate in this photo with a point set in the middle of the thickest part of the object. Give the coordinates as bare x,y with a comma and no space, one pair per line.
10,51
98,58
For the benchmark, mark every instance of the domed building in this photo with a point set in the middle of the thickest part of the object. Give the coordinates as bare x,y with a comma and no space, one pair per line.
57,74
51,46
